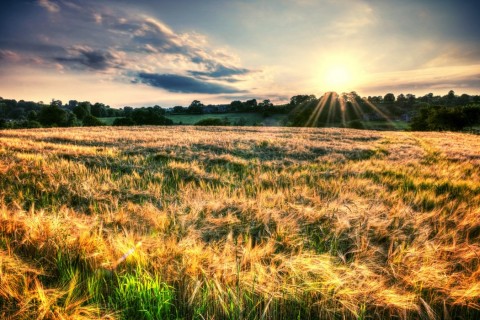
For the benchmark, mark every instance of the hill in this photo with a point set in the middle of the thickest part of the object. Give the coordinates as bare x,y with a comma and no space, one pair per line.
210,222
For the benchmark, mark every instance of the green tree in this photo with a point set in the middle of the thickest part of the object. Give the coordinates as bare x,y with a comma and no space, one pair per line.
53,116
82,110
91,121
389,98
196,107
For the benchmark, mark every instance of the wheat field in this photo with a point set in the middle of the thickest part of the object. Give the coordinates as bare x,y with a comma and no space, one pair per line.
238,223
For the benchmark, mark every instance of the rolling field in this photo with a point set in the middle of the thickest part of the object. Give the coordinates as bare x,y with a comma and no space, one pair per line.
248,119
238,223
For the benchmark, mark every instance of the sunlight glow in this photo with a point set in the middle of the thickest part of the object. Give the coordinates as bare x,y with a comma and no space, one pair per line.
337,73
337,77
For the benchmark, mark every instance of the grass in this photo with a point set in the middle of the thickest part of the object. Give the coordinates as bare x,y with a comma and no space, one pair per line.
240,223
108,120
386,125
248,119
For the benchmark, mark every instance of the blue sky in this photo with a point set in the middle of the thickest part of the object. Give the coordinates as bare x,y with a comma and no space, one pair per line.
172,52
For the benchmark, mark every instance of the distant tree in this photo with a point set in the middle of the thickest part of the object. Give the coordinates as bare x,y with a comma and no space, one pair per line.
159,110
82,110
389,98
451,95
3,110
127,111
91,121
440,118
401,98
196,107
213,122
411,98
53,116
32,116
464,99
123,122
99,110
356,124
472,114
237,105
72,104
72,120
251,104
266,107
57,103
302,98
179,109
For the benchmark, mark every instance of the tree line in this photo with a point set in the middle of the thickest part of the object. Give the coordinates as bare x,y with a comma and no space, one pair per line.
429,112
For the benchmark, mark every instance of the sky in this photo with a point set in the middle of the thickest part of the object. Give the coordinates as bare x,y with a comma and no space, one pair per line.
170,52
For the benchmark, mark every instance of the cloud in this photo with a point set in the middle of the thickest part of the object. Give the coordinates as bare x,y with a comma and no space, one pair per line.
50,6
428,79
9,56
90,58
183,84
221,71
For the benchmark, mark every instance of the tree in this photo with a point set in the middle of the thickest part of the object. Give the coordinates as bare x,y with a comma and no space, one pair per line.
389,98
302,98
237,105
251,104
127,111
57,103
82,110
441,118
3,110
356,124
213,122
99,110
265,107
53,116
196,107
411,98
451,95
123,122
91,121
178,109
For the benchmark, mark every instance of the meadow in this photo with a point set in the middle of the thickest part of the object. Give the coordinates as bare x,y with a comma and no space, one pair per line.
239,223
248,119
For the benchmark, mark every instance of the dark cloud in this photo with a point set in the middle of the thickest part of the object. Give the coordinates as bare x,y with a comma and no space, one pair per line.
183,84
221,71
91,59
100,33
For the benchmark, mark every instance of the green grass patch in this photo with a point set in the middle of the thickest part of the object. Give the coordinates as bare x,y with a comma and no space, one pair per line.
247,119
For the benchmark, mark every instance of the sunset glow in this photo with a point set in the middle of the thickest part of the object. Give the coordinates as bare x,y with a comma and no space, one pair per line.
152,52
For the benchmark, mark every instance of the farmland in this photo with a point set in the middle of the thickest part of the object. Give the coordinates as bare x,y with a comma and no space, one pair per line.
240,223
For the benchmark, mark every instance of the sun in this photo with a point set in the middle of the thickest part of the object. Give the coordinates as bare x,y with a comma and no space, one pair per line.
338,73
337,77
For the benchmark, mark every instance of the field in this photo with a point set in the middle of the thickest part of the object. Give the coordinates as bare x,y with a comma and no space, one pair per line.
239,223
249,119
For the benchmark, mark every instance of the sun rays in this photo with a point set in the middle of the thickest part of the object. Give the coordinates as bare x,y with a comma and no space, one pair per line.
334,110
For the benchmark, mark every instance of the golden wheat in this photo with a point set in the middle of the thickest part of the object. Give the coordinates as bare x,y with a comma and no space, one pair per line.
241,222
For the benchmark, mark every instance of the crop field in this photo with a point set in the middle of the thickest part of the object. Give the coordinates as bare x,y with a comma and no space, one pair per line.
238,223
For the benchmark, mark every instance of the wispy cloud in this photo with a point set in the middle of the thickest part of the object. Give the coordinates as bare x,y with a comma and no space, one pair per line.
49,5
427,79
117,41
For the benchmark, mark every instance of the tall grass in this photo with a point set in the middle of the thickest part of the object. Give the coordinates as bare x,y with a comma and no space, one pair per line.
240,223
